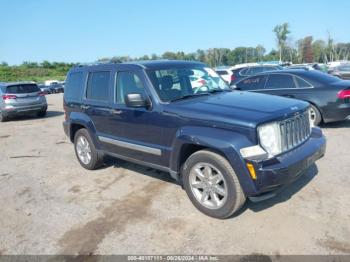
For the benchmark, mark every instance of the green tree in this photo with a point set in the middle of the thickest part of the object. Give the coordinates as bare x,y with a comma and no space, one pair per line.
319,50
282,31
260,51
305,47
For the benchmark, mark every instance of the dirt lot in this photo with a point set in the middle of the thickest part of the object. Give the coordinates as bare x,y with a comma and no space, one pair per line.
51,205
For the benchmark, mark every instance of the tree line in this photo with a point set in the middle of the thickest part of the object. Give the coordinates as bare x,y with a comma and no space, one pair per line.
305,50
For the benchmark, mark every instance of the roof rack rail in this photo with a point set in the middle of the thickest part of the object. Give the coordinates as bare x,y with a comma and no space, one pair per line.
111,61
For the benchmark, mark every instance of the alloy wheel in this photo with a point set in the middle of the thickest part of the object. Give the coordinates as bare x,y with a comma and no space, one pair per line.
208,185
83,150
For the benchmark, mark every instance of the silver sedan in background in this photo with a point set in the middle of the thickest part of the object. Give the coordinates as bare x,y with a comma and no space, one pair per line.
19,98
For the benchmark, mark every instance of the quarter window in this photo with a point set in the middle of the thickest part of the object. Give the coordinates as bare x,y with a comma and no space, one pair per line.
74,85
98,86
301,83
277,81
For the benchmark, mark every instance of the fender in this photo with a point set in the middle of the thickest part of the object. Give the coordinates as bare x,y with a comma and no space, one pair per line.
84,120
226,142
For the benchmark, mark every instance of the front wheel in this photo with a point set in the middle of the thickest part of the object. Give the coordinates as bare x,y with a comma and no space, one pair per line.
212,185
85,150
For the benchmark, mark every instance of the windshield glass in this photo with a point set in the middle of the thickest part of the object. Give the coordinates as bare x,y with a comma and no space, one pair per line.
175,83
22,89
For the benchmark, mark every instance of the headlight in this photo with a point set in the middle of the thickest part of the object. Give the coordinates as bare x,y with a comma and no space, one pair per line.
270,138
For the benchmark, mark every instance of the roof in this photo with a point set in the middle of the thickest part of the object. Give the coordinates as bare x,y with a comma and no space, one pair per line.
291,71
16,83
148,64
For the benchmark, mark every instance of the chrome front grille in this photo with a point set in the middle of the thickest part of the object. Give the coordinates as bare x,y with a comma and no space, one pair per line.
295,131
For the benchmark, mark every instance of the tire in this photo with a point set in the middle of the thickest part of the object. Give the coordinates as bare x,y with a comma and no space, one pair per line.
92,159
2,117
41,113
225,193
316,116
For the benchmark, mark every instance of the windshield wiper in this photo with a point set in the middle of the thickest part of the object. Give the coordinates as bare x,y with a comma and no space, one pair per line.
188,96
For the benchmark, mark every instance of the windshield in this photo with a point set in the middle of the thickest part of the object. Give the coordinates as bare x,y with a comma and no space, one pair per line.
176,83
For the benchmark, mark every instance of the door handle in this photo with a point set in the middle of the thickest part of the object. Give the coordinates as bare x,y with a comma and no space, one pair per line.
84,107
116,111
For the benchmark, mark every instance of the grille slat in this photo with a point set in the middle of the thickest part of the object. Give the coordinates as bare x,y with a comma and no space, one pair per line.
295,131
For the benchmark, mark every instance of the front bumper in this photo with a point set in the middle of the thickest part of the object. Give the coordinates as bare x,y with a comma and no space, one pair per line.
275,173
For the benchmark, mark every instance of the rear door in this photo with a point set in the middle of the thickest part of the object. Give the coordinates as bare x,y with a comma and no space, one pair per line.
281,85
291,86
97,99
26,94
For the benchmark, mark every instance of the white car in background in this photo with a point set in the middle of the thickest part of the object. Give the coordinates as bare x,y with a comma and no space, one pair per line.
197,81
225,74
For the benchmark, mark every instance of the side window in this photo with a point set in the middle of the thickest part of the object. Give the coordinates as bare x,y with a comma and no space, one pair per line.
301,83
278,81
270,68
98,86
74,85
222,72
244,71
252,83
128,83
255,70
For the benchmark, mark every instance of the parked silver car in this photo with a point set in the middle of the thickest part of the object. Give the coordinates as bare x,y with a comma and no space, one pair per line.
21,98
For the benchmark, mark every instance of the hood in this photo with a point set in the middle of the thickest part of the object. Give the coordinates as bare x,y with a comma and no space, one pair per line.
237,108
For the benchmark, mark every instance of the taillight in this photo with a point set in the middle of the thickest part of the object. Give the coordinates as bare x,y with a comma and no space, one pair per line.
6,97
41,93
203,82
233,78
344,94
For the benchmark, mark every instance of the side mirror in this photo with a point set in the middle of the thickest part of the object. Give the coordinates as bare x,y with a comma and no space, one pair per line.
136,100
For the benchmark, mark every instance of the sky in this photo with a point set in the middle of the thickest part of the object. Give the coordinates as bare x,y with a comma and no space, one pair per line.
86,30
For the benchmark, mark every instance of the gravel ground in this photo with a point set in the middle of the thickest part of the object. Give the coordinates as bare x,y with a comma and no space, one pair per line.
51,205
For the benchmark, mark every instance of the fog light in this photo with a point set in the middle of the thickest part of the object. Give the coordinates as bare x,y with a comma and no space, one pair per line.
251,171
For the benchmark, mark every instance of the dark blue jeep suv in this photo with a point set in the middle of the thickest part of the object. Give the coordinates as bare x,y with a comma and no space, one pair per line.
221,145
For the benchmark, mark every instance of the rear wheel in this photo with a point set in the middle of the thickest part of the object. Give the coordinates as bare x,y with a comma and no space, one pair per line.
212,185
2,117
85,150
315,115
41,113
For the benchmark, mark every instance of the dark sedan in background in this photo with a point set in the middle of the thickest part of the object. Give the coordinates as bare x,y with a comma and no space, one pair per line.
57,88
328,96
244,72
